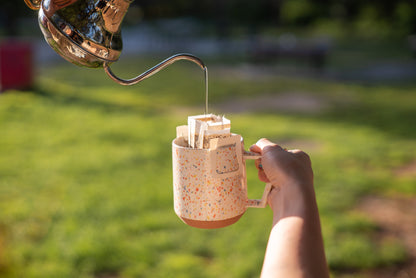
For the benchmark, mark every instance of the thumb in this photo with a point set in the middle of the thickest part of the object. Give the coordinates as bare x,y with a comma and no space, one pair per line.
271,157
265,144
260,145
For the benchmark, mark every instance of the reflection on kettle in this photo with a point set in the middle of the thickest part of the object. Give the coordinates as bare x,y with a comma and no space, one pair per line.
87,33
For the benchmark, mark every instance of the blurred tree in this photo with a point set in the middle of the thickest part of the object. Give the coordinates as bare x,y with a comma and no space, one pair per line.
222,23
10,12
274,10
399,16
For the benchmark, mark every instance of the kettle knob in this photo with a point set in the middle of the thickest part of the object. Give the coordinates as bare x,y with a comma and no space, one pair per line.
33,4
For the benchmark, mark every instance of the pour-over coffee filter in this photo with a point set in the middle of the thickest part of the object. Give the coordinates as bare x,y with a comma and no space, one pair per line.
202,128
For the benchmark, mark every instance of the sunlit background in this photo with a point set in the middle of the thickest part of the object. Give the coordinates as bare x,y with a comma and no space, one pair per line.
85,163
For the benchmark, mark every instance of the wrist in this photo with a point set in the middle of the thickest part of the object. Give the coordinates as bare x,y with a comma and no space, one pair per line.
296,199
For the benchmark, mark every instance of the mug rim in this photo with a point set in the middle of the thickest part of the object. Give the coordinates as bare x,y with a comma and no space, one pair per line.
176,143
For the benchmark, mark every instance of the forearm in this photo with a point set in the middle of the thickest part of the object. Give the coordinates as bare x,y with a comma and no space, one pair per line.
295,247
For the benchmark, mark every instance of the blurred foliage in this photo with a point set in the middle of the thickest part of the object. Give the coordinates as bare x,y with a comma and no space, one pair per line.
381,18
392,17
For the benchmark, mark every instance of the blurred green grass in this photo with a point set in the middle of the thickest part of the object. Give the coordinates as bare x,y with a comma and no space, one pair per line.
85,172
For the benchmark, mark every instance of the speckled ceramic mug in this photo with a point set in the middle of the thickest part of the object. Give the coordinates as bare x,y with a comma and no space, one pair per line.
210,185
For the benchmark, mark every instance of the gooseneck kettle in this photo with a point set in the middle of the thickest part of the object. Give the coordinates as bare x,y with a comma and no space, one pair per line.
87,33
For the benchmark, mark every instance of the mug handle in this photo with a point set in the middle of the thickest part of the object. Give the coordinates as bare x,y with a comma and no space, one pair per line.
257,203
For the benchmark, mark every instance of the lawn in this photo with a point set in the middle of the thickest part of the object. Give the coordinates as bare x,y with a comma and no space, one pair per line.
86,179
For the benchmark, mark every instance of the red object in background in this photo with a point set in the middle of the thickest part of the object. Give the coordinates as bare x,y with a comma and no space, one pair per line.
16,65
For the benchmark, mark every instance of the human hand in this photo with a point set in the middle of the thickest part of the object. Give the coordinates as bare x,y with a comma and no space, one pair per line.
287,170
282,167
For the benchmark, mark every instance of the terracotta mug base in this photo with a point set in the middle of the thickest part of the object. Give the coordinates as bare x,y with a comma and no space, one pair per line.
211,224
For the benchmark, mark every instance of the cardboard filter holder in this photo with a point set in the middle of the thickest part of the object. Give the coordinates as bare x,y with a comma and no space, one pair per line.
201,129
209,173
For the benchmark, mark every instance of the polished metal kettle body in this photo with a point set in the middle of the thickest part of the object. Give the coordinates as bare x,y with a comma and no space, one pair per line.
87,32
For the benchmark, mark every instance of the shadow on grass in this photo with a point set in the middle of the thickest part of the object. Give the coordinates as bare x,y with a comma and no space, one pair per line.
103,104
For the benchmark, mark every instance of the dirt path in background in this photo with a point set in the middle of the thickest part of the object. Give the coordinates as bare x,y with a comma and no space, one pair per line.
298,102
397,219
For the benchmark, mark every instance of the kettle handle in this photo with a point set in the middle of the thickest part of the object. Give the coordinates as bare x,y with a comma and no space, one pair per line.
33,4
